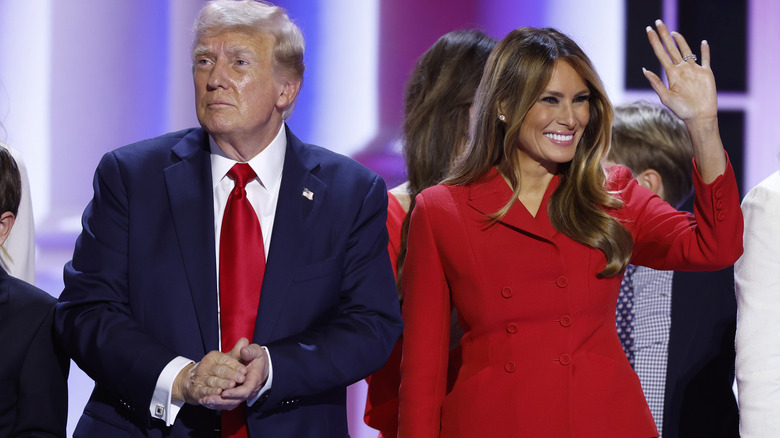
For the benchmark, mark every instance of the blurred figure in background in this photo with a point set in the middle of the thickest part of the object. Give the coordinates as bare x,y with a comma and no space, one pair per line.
17,255
33,369
682,324
437,99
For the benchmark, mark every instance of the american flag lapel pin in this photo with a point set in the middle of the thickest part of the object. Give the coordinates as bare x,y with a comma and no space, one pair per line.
308,194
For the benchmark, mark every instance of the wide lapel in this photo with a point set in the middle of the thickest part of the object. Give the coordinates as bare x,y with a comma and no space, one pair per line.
191,198
491,193
300,198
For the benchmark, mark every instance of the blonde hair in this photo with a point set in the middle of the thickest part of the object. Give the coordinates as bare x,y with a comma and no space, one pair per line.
516,74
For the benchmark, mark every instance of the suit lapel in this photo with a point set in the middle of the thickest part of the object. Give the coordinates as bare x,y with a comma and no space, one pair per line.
301,195
190,193
491,193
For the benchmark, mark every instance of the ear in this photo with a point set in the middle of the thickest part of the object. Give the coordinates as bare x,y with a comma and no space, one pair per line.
289,91
651,179
6,223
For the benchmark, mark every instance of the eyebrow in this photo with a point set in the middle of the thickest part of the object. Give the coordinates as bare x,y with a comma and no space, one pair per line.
239,51
560,95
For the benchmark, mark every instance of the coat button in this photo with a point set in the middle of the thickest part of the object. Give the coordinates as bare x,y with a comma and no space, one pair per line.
719,194
565,359
721,215
565,320
562,281
509,366
511,328
506,292
719,204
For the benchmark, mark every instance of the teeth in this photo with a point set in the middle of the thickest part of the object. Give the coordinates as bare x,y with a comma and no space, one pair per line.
558,137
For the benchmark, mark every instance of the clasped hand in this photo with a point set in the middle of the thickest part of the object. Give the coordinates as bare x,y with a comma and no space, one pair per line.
222,381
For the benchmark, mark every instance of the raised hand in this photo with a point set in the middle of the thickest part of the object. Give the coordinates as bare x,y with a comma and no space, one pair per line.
691,95
691,92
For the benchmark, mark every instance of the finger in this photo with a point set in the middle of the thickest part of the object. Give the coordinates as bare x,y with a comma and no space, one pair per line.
685,50
658,48
669,43
217,403
705,54
252,352
656,83
236,351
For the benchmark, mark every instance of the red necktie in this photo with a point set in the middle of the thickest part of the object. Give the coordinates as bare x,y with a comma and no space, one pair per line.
241,268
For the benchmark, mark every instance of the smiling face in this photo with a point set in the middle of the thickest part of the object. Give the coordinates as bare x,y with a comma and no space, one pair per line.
238,99
553,126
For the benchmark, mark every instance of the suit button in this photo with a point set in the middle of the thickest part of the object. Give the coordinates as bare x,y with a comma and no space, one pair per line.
506,292
565,359
721,215
719,204
511,328
565,320
562,281
719,194
509,366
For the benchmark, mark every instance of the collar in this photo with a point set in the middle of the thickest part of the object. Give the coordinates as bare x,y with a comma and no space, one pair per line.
267,164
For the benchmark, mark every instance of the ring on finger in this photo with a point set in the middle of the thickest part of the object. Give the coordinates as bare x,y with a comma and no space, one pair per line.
690,56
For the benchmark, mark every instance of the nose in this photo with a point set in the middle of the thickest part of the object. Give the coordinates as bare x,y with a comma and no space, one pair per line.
218,75
567,116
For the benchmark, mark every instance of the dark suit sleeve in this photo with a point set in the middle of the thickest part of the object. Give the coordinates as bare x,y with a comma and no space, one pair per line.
93,317
356,338
42,408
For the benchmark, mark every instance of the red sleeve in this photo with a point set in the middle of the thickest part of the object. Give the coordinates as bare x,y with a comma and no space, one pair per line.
427,316
667,239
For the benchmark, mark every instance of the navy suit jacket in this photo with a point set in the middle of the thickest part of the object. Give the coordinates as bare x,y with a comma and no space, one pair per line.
141,287
33,369
699,400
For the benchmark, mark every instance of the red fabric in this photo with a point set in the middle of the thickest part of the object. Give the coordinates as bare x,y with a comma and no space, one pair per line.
241,269
382,396
540,353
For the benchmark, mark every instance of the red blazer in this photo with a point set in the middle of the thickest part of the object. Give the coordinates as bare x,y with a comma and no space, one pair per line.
540,354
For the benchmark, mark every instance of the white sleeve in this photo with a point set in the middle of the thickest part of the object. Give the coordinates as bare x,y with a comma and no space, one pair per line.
162,407
757,279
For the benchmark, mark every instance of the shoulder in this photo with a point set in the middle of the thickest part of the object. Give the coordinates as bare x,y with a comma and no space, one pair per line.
767,190
617,177
28,298
441,197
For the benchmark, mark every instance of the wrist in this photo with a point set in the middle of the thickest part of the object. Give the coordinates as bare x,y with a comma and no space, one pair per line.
183,381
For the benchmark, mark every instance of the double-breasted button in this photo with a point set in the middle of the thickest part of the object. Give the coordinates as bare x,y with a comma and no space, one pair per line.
565,359
509,366
565,320
511,328
562,281
506,292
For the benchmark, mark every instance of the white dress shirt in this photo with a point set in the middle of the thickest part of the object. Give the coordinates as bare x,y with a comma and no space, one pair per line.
757,279
263,194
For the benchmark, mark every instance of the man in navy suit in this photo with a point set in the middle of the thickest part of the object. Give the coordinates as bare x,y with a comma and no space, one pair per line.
33,369
684,322
141,311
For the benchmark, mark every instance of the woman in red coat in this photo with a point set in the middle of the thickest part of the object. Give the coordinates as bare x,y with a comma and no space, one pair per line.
528,238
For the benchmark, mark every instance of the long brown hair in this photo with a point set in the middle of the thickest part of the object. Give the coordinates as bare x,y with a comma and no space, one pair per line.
437,99
516,74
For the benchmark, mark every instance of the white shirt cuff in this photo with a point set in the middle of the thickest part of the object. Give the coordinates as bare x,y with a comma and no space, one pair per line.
162,407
